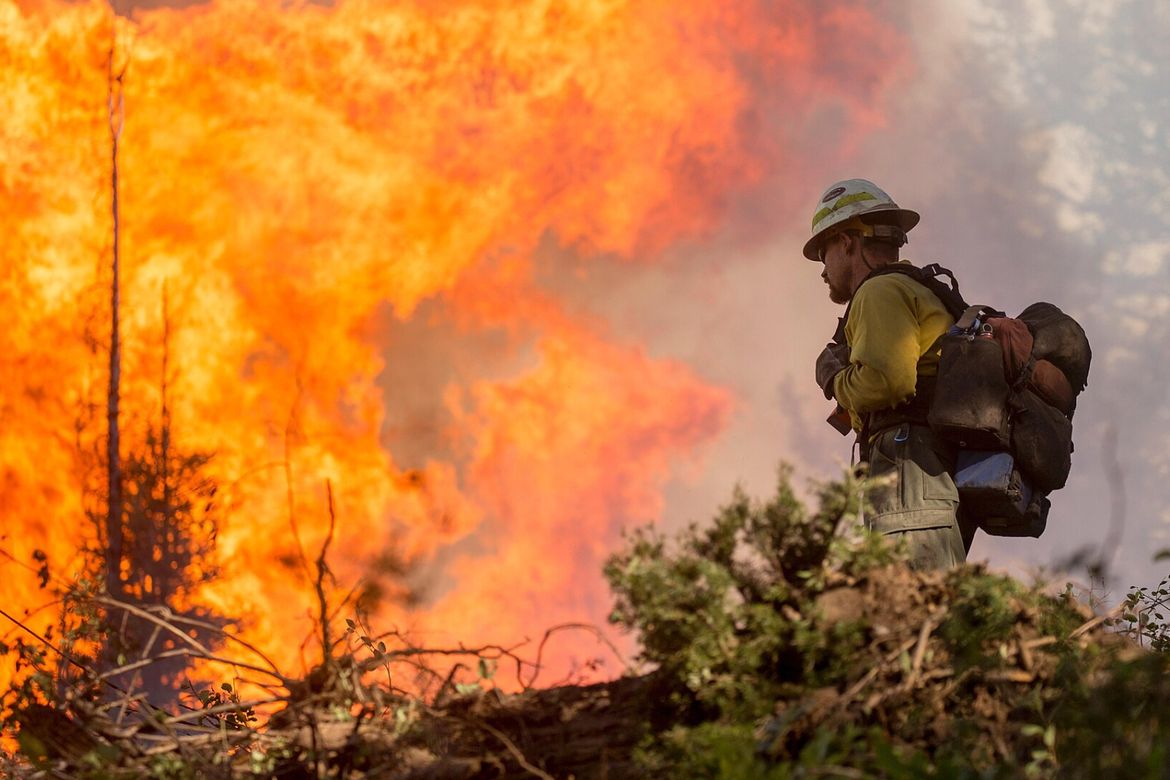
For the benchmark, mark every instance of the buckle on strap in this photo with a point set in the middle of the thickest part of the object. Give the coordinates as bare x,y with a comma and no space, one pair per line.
934,269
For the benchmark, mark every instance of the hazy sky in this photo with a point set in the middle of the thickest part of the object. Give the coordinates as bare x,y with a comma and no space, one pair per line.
1033,138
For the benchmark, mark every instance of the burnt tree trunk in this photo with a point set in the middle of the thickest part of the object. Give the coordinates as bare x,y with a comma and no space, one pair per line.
114,536
584,732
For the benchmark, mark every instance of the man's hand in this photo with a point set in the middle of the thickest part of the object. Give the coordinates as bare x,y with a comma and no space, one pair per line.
832,361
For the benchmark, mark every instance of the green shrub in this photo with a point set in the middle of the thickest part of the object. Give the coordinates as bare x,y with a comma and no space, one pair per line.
794,646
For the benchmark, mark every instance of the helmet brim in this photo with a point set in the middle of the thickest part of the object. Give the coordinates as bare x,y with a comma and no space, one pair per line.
905,219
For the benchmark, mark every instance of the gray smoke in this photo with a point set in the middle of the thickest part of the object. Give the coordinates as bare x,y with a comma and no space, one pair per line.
1033,139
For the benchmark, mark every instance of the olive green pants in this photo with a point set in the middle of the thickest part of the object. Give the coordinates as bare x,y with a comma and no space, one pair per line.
914,499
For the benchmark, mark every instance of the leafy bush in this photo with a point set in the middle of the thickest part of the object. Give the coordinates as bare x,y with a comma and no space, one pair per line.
726,609
1144,612
792,646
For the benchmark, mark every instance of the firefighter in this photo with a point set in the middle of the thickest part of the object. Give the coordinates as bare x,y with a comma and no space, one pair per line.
881,366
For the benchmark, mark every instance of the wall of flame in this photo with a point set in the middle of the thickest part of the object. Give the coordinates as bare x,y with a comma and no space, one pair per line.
303,179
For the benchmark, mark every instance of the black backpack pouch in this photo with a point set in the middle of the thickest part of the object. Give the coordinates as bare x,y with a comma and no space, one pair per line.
970,405
1041,439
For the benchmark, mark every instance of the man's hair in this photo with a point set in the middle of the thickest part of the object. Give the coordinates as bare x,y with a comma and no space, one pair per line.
883,250
877,248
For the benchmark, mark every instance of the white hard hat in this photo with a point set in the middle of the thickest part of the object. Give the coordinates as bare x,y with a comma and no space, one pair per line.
858,200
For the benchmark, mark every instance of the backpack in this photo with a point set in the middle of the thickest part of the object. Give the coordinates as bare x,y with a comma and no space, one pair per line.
1005,397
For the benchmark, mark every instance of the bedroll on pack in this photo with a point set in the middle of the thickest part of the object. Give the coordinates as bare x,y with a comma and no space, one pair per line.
1005,396
1060,340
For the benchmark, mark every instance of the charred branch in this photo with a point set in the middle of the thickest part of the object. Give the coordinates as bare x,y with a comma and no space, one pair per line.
116,119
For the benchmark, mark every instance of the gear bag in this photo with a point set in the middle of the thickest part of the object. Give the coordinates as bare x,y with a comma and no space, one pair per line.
970,404
1026,376
993,491
1005,396
1060,340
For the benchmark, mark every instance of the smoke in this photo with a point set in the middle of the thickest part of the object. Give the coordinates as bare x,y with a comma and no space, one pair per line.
1038,172
1054,191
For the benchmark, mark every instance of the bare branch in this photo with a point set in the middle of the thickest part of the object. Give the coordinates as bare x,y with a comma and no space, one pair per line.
601,637
322,570
147,615
515,751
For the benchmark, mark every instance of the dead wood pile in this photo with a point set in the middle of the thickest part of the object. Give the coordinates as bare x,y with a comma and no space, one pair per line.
931,655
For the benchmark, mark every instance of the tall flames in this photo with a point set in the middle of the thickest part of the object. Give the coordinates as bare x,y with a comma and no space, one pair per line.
306,181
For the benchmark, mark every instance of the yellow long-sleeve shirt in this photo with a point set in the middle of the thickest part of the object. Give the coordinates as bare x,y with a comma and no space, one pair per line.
893,324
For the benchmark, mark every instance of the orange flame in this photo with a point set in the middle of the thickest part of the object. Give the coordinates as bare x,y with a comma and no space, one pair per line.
299,176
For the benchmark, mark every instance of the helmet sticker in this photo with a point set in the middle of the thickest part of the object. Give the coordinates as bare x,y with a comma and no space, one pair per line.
857,201
832,194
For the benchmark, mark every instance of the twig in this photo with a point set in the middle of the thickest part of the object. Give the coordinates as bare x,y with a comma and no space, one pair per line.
1043,641
912,677
242,737
838,771
146,615
288,477
116,118
184,652
489,652
266,686
36,571
227,635
873,672
955,683
515,751
136,679
449,679
144,662
45,642
218,708
928,626
563,627
322,570
1091,624
1009,675
341,605
166,623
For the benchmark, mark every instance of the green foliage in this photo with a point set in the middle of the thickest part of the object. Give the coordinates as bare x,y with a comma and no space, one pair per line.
222,707
729,752
39,673
792,648
1120,727
1144,615
726,602
984,612
713,749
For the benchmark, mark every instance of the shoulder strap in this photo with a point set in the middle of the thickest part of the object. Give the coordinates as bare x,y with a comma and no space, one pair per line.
949,295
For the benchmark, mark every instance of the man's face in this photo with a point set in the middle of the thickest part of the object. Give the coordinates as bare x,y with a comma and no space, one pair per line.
837,269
